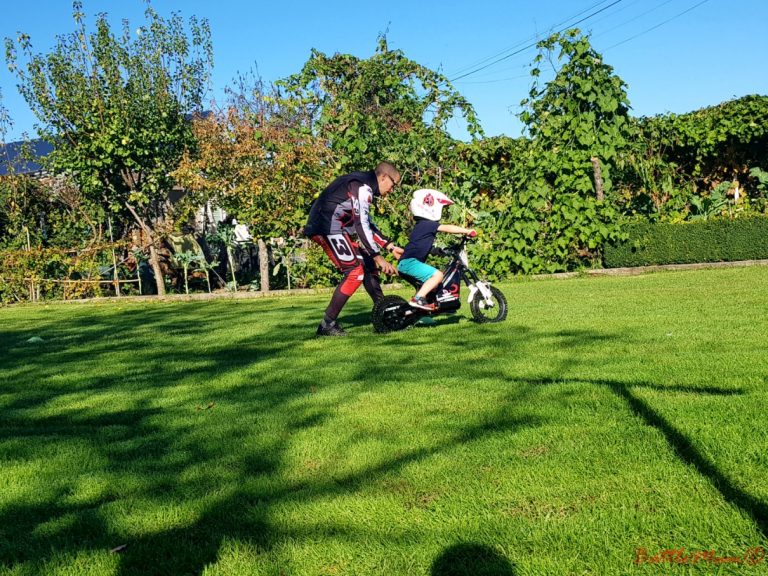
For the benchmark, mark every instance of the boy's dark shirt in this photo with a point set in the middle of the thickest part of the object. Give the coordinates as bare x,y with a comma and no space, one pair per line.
421,240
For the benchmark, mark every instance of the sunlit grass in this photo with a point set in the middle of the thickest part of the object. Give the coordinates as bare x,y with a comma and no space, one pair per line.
604,416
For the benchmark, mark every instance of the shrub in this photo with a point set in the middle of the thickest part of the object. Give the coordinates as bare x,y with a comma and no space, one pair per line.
701,241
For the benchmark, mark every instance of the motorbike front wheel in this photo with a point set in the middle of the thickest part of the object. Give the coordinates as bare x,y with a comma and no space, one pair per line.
493,311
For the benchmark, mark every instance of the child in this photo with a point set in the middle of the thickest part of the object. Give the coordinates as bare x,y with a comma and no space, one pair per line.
427,208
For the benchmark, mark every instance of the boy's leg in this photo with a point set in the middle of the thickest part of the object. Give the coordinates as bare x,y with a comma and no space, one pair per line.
432,283
429,277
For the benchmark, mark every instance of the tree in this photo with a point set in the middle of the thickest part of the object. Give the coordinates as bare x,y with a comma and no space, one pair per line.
260,161
577,119
5,120
580,114
116,108
715,144
386,107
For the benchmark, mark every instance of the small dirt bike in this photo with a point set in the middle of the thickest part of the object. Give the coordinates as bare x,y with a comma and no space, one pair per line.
486,302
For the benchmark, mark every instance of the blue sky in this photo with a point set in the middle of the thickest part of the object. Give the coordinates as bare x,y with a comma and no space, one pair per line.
675,55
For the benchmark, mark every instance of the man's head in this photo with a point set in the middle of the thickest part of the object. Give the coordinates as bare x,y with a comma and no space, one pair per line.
428,203
387,176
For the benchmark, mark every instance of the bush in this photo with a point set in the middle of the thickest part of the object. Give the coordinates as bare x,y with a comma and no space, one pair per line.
702,241
309,266
55,273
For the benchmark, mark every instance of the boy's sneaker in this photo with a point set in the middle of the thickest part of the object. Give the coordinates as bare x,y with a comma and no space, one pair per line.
420,302
332,329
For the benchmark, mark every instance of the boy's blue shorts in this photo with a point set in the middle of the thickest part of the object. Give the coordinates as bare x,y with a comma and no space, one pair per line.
419,270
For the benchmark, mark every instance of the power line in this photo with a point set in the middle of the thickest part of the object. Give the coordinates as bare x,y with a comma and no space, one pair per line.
533,44
496,81
526,40
657,25
630,20
533,40
624,23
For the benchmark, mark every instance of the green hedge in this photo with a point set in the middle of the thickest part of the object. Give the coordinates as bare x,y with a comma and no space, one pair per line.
690,242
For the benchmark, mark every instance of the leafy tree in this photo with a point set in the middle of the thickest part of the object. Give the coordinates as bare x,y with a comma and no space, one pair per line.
578,118
260,161
715,144
21,201
9,185
386,107
581,113
649,186
116,108
5,120
48,211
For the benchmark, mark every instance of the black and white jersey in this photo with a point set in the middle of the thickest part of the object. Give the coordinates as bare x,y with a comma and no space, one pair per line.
345,206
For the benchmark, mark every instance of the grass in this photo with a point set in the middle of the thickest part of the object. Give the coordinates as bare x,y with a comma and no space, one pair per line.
606,415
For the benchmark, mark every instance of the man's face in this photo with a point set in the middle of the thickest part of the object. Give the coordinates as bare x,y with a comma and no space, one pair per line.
386,184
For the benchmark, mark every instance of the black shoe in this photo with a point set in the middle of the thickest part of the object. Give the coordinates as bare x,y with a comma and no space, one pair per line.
332,329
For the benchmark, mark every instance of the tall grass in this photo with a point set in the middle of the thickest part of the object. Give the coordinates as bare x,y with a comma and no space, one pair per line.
605,417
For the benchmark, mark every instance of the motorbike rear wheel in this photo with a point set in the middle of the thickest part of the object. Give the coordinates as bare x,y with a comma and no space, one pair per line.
482,312
389,314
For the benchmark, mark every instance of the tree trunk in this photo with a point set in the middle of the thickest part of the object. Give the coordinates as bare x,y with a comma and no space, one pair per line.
598,178
154,261
264,265
115,276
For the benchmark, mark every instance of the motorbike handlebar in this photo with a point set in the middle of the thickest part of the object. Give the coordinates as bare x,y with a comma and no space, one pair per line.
451,249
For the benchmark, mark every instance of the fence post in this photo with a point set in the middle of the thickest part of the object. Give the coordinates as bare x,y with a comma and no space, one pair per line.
114,259
31,278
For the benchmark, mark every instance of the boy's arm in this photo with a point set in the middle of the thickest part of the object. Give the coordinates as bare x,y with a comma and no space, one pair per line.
451,229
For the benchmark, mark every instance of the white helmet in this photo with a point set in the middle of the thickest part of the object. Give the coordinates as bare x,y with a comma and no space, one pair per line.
427,203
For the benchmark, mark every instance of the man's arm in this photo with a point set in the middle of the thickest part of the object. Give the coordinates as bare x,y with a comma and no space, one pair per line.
385,242
362,196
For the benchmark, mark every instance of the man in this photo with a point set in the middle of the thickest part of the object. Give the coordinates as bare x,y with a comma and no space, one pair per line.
340,222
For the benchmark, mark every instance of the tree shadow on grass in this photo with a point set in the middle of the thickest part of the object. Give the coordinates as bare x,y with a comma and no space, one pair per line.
683,446
574,341
688,453
242,515
153,459
234,478
471,559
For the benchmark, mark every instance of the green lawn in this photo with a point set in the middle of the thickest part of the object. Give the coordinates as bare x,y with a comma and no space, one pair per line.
606,415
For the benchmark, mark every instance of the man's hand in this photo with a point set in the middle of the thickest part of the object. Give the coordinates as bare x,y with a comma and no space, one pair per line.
397,252
384,266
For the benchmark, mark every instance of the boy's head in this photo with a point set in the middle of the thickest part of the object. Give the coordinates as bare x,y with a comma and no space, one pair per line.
427,203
